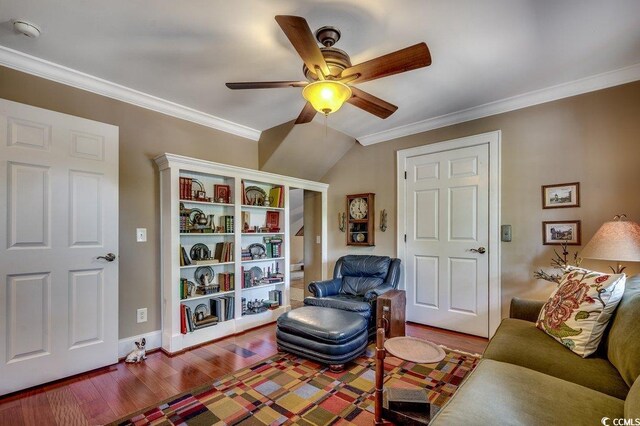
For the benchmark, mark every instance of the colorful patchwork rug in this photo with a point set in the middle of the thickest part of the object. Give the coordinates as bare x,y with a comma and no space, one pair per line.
286,389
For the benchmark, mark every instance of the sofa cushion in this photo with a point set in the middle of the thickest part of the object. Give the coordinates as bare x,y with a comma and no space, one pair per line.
359,286
578,311
502,393
365,266
342,302
623,342
521,343
632,403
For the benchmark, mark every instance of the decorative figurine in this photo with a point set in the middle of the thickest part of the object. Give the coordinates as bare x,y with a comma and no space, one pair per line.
139,354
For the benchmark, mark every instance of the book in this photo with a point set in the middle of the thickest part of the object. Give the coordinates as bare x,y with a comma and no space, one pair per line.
183,321
275,196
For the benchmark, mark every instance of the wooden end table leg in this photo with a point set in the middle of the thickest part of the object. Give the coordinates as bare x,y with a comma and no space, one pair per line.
380,354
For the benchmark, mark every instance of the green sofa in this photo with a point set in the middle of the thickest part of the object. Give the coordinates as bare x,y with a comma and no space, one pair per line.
527,378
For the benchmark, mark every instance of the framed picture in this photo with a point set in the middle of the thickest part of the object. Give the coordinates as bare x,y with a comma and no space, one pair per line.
561,195
273,220
222,193
561,231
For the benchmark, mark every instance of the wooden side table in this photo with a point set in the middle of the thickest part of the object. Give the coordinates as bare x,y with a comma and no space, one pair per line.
408,349
390,312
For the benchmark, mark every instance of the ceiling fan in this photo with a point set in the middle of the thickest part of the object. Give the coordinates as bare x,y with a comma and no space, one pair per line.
330,75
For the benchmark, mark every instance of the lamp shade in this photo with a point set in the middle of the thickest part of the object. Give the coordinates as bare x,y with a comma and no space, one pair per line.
326,96
615,240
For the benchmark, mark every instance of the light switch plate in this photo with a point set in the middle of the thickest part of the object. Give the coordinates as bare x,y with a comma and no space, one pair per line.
141,235
505,233
318,239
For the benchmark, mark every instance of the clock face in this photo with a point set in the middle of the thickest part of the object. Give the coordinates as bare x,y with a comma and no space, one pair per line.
358,208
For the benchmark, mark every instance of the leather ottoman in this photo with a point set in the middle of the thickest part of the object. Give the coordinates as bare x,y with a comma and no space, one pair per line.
326,335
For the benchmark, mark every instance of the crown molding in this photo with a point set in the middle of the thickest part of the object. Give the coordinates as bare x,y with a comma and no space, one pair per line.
51,71
564,90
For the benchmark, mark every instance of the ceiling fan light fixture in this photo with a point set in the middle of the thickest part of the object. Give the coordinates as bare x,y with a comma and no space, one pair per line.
326,96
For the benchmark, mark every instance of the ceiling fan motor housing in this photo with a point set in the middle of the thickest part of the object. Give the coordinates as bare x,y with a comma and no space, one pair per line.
337,60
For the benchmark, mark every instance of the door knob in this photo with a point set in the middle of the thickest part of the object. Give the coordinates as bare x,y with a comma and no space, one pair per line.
480,250
110,257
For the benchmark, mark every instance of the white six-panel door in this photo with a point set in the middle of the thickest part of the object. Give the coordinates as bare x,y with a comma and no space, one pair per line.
447,223
58,214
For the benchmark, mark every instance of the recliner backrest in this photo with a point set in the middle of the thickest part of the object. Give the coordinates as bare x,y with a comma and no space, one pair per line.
361,273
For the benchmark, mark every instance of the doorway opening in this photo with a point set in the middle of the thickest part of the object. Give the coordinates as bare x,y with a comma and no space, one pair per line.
305,229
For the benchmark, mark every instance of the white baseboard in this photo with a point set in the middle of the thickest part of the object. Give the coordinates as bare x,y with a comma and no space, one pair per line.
154,341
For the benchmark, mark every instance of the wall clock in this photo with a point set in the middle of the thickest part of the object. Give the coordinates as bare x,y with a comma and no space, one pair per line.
360,220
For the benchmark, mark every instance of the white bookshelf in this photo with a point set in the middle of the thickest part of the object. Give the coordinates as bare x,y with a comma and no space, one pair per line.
172,202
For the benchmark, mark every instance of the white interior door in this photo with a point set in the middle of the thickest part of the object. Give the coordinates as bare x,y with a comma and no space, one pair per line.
58,214
447,224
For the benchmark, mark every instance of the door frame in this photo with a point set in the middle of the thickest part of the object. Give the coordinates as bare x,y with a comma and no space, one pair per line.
492,139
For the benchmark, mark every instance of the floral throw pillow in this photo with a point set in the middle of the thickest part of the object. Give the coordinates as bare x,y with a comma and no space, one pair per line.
578,311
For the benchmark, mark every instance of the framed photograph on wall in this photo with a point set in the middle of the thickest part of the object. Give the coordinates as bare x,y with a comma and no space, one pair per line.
222,193
561,195
557,232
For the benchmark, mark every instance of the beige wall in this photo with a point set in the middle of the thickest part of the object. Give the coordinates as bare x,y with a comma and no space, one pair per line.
592,138
144,134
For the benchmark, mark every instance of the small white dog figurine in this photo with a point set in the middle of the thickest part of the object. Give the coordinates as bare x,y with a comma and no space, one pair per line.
139,353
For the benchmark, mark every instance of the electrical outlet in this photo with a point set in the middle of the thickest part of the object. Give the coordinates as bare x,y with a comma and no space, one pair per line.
318,239
141,235
141,315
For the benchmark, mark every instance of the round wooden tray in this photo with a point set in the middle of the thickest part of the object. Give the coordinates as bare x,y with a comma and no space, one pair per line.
414,350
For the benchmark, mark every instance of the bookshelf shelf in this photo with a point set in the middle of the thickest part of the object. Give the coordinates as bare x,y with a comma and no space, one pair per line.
206,203
268,259
259,286
250,207
207,264
206,234
209,296
182,178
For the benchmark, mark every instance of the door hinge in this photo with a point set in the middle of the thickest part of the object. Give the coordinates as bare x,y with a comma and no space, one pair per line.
405,238
405,174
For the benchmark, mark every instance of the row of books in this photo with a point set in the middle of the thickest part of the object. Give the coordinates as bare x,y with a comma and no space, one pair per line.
276,295
227,223
186,188
224,252
273,246
226,281
223,307
246,254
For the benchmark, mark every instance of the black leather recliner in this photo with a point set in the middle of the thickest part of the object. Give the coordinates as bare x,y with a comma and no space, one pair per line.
357,282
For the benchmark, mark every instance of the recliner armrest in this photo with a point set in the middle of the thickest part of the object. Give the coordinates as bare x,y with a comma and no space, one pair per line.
373,294
325,288
393,276
525,309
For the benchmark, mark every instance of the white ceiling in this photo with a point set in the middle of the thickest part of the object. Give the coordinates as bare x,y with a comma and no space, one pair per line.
184,51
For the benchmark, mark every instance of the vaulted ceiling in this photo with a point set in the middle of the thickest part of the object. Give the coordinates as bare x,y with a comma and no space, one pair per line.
483,52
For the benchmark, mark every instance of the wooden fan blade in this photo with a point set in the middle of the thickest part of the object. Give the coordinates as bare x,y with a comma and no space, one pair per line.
370,103
410,58
307,114
266,84
299,34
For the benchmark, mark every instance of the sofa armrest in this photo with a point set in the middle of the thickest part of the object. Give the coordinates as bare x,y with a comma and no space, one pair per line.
325,288
525,309
373,294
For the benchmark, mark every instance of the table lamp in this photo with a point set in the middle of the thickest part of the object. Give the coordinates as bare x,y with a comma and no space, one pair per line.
618,240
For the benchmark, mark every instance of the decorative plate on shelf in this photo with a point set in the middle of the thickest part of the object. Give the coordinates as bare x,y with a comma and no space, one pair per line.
204,275
201,311
200,252
256,272
255,195
359,237
258,251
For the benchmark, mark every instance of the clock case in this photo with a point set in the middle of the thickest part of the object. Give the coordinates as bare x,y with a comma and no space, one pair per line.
365,226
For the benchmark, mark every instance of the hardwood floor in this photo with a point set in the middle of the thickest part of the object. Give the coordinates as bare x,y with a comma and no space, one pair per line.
107,394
